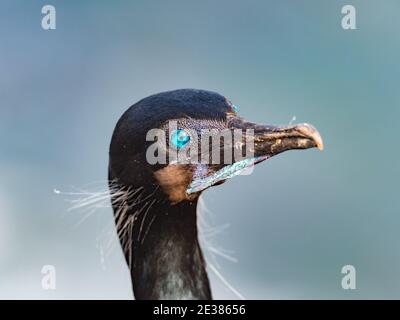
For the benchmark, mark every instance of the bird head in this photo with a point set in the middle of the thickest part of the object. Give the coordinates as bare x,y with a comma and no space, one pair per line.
187,140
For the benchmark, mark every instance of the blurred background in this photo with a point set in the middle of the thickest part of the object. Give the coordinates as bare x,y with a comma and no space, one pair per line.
292,224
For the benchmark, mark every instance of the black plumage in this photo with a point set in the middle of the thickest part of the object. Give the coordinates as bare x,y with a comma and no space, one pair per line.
156,215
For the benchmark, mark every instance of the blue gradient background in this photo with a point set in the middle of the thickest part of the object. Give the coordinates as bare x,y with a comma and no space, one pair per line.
293,223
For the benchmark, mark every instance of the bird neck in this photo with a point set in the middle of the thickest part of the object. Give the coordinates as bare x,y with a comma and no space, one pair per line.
167,259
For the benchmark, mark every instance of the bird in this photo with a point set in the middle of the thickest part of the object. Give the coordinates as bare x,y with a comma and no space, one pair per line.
155,204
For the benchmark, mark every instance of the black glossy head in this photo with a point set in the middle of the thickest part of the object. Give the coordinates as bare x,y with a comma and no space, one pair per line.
193,110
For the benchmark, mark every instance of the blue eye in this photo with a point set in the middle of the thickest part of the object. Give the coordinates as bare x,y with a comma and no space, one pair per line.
180,138
235,108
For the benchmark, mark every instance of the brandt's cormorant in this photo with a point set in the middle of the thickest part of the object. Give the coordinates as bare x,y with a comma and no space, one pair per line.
155,214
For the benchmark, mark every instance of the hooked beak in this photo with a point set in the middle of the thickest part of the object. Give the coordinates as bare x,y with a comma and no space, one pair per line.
268,142
271,140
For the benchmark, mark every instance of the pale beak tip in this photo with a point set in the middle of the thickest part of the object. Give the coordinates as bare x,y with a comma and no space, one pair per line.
318,140
320,145
311,132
